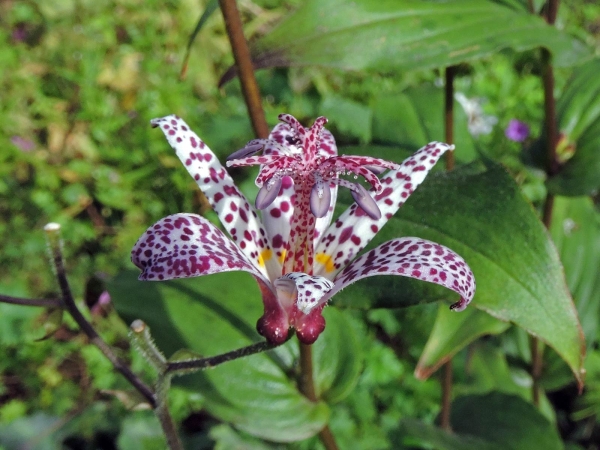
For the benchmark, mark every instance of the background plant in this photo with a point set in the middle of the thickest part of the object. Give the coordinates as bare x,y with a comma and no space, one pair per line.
80,82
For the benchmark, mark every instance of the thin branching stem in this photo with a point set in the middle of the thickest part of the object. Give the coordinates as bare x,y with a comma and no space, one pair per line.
41,302
204,363
88,329
243,62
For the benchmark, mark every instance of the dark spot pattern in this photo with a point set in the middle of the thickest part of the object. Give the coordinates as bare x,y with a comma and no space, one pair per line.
414,258
185,245
353,230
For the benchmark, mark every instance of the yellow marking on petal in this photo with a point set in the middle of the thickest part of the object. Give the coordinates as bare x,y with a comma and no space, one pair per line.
282,256
265,255
326,260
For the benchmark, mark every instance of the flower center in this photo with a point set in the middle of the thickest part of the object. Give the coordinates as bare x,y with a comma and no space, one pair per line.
313,170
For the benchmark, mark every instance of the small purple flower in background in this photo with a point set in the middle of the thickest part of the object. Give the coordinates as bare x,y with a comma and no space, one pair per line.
102,304
517,131
19,33
23,144
478,122
298,257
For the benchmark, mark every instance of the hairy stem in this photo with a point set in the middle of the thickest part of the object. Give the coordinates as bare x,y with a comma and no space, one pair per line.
162,412
551,168
204,363
43,302
84,325
243,62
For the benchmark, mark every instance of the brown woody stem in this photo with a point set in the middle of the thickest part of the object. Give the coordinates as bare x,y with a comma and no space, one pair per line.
243,62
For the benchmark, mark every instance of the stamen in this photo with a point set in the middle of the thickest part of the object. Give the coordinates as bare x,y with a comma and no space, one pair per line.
250,149
320,199
377,170
366,202
268,193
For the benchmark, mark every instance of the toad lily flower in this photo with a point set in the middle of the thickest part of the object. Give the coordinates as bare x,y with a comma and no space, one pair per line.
299,258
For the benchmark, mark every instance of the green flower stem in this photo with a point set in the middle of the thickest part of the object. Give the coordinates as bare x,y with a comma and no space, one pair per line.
307,387
43,302
162,412
241,54
307,383
54,242
141,338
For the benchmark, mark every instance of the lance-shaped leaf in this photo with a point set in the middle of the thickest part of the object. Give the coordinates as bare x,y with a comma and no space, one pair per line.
576,232
451,333
405,35
481,215
578,116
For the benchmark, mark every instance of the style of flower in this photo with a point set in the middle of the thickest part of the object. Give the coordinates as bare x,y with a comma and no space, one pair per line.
478,122
299,258
517,131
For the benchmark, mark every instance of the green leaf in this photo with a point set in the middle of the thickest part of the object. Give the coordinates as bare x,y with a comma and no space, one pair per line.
578,116
506,420
415,433
401,35
414,116
576,233
480,214
451,333
37,432
215,314
349,117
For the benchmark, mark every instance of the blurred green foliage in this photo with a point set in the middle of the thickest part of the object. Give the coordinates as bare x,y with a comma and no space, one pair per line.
80,81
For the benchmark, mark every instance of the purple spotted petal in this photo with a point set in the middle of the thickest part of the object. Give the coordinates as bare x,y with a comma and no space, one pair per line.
235,212
354,229
415,258
187,245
